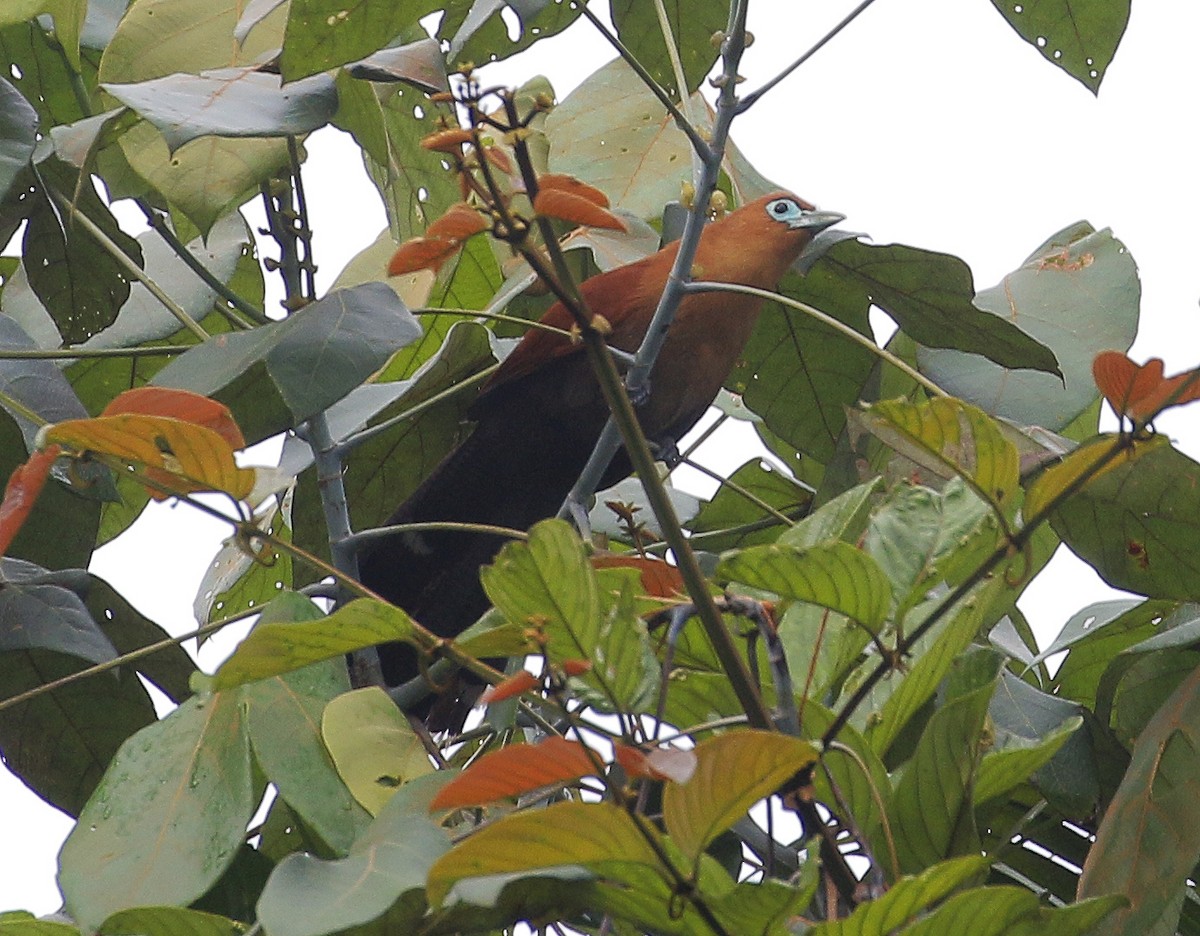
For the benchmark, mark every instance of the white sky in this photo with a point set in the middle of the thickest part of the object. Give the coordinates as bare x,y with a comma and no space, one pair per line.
928,122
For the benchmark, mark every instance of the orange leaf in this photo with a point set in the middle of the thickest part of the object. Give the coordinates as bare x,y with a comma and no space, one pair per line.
656,764
566,206
21,493
514,770
421,253
457,224
1140,392
659,579
181,456
572,186
576,667
179,404
513,686
498,158
446,141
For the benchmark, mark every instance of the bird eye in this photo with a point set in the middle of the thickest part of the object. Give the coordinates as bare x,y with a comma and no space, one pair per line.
784,209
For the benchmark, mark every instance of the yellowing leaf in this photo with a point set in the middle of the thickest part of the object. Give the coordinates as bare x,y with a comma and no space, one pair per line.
372,745
733,772
1054,481
179,404
178,457
950,437
590,835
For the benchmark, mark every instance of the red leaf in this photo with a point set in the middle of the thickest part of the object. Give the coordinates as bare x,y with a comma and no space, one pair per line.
446,141
179,404
570,185
1140,392
659,579
657,764
24,486
515,770
567,206
513,686
421,253
576,667
457,224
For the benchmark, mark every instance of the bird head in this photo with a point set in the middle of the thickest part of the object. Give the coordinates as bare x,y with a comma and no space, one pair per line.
761,239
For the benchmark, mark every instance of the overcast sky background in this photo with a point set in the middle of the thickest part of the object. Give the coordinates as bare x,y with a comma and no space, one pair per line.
929,123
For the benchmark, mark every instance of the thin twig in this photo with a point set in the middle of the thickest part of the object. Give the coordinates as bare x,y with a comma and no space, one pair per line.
750,99
115,251
699,144
824,318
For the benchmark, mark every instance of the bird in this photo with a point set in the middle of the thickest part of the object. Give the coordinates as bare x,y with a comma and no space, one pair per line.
538,417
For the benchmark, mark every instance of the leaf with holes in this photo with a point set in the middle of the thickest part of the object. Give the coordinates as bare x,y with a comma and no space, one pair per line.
1079,36
176,457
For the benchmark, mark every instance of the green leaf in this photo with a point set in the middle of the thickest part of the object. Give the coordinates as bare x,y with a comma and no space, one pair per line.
68,21
1027,724
229,102
730,509
930,296
920,537
168,921
419,63
312,359
1079,36
1108,628
934,654
733,772
950,438
168,816
237,581
287,637
479,34
1011,911
47,616
78,281
60,742
1143,688
932,812
549,580
612,133
373,745
692,26
322,34
906,900
18,135
1136,522
207,177
834,575
282,718
1078,294
389,125
28,926
306,896
799,374
599,837
1005,768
